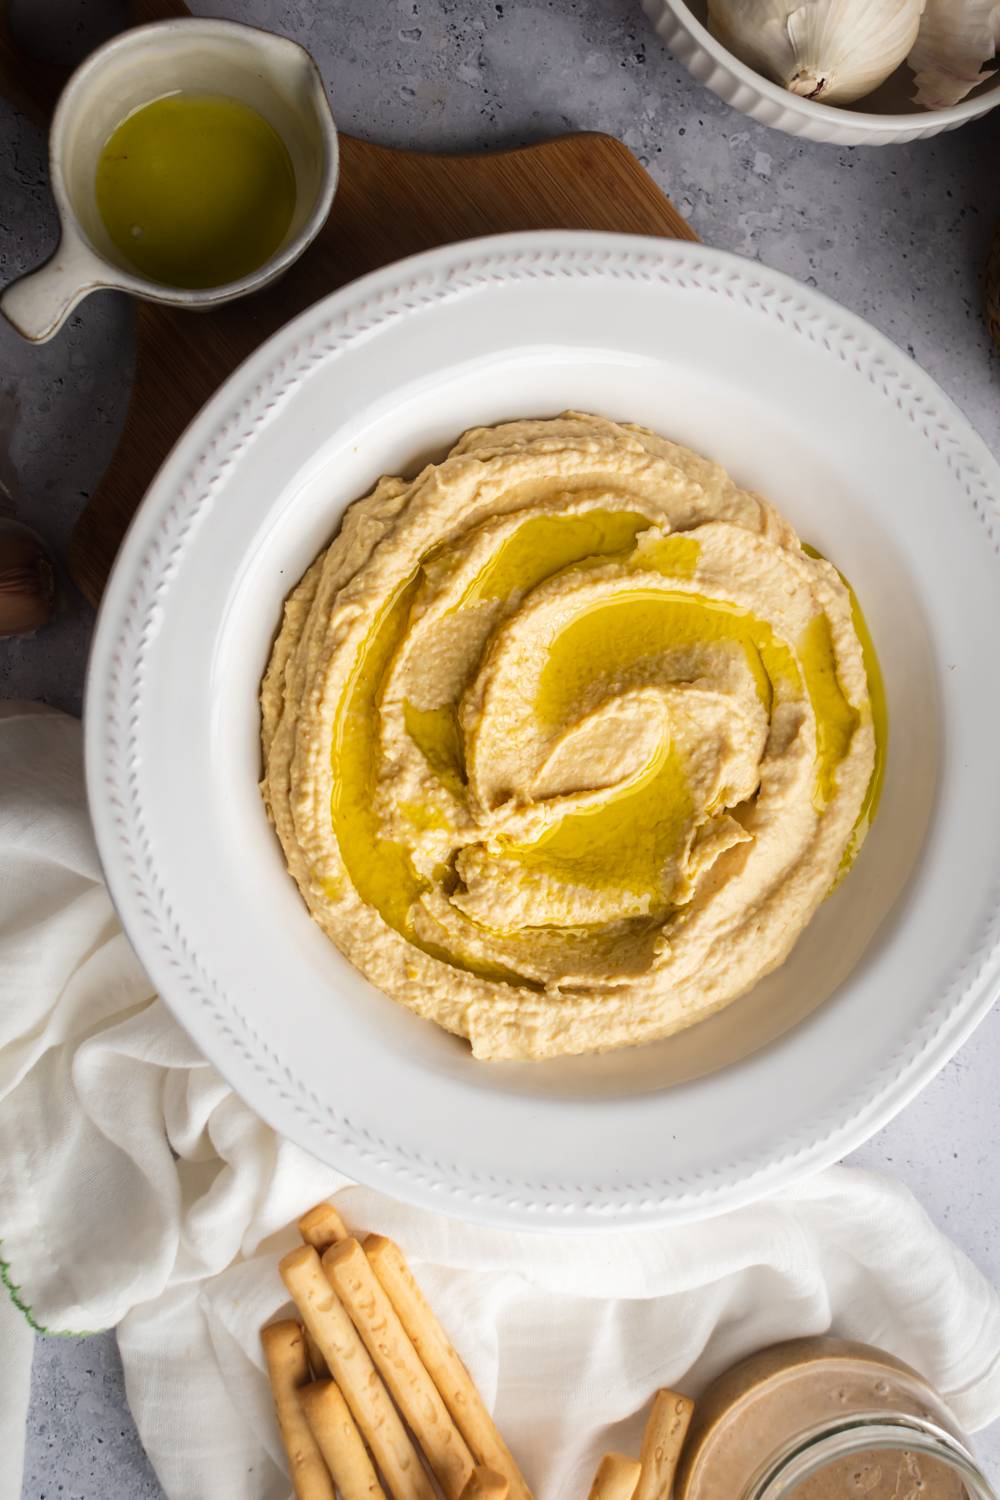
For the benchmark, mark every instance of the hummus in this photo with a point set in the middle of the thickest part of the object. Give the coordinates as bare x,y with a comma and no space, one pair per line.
566,739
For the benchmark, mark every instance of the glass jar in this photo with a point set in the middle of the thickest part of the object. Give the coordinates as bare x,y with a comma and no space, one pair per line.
824,1419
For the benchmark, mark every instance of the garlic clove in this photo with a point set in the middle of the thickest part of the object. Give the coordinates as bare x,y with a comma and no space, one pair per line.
832,51
27,581
955,39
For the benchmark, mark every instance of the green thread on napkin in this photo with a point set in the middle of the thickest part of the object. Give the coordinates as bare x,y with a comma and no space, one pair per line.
15,1296
22,1307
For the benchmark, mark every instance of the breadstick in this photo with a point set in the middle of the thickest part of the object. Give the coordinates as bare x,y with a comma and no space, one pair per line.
412,1389
616,1478
447,1371
322,1227
485,1484
340,1442
355,1374
662,1442
285,1353
317,1364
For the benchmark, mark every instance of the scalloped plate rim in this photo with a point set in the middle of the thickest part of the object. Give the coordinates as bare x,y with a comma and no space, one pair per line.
391,1164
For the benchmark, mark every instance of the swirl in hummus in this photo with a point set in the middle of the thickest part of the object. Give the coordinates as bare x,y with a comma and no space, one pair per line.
567,738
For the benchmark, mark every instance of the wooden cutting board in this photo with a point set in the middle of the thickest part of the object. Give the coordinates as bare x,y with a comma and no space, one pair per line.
389,204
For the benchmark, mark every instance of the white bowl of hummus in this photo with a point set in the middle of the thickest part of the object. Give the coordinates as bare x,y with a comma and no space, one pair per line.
719,416
568,738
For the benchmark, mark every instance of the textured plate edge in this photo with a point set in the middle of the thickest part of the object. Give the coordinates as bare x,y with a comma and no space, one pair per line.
355,311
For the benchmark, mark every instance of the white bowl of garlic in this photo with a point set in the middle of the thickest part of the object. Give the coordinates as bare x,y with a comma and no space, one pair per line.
851,72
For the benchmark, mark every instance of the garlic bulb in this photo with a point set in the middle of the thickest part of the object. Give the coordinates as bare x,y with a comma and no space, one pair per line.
833,51
956,37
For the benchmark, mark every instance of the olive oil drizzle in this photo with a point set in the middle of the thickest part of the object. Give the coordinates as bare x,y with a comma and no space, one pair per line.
632,839
437,735
544,545
880,719
631,842
381,869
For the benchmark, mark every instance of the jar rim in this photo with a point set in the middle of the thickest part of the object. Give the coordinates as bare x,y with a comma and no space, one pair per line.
810,1453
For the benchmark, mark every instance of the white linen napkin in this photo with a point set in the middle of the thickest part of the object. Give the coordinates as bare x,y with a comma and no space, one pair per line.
136,1189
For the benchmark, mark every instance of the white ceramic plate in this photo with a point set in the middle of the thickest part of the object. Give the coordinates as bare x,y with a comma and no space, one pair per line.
801,401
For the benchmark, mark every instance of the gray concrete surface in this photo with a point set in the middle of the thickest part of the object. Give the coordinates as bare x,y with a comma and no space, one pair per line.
897,234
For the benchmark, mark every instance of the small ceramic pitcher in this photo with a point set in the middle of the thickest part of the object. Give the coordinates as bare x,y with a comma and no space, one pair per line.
271,74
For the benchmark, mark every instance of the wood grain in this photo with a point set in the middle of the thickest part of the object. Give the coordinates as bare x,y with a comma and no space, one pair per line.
991,289
389,204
